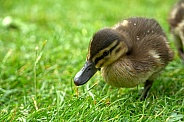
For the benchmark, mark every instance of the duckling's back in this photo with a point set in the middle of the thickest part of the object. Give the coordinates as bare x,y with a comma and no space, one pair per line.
147,39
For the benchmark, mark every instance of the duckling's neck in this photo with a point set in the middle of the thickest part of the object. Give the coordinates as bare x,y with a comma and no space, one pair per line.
126,40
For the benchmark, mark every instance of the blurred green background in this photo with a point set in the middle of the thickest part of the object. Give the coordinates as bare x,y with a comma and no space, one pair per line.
44,43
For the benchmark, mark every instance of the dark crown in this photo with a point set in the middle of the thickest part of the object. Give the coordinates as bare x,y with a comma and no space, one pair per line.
102,39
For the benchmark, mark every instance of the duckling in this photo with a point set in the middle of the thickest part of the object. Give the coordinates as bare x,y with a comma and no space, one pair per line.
176,23
132,52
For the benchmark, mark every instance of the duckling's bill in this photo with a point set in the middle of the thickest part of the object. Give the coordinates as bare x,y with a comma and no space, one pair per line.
85,73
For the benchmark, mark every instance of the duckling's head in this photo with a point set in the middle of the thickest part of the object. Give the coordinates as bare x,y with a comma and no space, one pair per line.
106,47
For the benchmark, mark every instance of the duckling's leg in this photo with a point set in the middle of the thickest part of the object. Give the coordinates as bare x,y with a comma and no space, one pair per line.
179,44
181,54
147,87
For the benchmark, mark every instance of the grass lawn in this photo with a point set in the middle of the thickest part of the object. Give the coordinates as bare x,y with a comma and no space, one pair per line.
43,44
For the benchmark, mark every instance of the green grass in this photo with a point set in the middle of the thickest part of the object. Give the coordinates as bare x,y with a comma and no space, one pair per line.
36,76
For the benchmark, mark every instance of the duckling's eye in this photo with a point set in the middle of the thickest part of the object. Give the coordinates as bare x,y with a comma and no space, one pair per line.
106,53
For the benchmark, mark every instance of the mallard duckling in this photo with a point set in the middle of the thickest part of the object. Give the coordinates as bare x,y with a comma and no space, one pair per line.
128,54
176,22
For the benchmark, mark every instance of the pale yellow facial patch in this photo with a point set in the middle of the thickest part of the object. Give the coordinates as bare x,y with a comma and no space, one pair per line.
117,52
100,53
102,62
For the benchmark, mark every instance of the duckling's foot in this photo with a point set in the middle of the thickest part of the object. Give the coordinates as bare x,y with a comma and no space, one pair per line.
147,87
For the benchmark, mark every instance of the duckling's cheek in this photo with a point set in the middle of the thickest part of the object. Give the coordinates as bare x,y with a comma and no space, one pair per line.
108,62
100,63
105,61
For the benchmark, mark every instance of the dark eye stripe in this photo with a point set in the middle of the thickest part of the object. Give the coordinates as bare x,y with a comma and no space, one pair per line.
98,59
101,57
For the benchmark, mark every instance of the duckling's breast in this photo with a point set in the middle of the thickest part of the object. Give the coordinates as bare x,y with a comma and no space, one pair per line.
122,74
